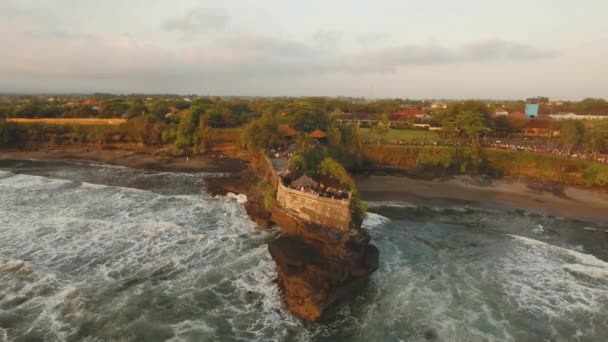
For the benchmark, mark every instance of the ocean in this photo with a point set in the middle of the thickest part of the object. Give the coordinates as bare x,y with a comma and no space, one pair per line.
93,252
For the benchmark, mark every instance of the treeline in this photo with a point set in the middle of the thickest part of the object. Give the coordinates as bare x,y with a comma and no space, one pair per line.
189,135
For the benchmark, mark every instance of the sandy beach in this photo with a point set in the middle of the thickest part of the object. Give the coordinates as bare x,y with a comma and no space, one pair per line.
566,202
133,159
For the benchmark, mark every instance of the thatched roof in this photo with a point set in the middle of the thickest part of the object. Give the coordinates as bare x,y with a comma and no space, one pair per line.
287,131
318,134
304,181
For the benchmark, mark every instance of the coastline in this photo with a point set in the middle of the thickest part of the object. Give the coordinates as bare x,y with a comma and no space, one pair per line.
560,201
134,159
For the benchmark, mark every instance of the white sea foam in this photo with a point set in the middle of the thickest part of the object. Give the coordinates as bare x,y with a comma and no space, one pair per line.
373,221
240,198
390,204
553,282
115,242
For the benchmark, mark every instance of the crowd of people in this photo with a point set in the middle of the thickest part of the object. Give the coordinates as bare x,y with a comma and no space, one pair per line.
280,153
499,145
320,190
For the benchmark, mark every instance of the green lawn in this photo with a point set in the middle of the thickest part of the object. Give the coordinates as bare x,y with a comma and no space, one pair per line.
405,136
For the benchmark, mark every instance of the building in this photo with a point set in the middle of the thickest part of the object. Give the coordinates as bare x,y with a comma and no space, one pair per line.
501,112
519,115
439,105
361,119
402,115
532,106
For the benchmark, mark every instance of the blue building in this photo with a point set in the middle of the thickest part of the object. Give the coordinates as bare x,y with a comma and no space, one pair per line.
532,106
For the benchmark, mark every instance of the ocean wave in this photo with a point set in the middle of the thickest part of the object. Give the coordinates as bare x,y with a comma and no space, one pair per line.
373,220
554,282
118,247
240,198
390,204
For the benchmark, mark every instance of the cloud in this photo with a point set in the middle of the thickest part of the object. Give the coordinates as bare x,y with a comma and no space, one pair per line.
389,59
372,38
198,20
119,59
328,38
497,49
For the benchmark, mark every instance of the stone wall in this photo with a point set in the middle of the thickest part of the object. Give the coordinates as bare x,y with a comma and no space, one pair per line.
320,210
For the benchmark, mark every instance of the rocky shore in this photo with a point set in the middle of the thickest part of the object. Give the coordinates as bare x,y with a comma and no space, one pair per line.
317,266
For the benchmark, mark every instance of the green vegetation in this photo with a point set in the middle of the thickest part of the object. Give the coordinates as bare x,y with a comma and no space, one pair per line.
188,131
145,129
262,133
7,132
431,161
403,136
270,194
438,161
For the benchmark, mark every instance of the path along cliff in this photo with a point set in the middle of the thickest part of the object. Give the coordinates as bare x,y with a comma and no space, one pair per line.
319,263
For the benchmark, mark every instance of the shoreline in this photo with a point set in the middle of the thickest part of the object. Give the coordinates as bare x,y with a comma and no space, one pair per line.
503,194
482,192
133,159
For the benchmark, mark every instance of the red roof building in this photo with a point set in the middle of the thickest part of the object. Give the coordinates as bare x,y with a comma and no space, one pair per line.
287,130
406,113
517,115
318,134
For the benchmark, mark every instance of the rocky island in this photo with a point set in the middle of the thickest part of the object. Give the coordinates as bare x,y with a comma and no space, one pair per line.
322,254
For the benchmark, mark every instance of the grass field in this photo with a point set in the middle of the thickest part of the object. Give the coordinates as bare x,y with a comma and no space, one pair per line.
89,121
403,136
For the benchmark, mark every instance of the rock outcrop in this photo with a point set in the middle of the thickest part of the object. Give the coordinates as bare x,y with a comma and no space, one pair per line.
317,266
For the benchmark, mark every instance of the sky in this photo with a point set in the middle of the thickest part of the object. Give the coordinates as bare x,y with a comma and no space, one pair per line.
441,49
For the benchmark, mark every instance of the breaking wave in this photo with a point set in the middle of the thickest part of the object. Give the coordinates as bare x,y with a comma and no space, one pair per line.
91,253
126,262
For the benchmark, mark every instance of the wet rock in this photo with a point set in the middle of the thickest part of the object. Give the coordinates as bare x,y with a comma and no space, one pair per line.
431,335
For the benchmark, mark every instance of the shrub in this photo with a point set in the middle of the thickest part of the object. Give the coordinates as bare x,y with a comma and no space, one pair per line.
146,129
596,174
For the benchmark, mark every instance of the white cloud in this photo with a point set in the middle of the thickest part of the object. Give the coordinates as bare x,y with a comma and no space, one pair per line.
198,20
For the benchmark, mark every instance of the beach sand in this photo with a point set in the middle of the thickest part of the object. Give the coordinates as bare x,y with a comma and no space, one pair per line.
566,202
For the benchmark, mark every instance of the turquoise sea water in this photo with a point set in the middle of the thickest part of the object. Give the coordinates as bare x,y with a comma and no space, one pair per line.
94,252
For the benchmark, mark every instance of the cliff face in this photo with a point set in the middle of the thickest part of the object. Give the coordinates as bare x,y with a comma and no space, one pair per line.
317,266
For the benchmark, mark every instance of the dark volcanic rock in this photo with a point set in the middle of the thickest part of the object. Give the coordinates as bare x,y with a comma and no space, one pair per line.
319,266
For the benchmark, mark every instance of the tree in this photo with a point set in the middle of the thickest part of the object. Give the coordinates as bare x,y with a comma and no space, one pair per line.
187,130
114,108
471,125
137,108
262,133
80,111
518,123
307,118
26,110
345,144
7,133
257,106
382,127
146,129
159,108
331,168
570,134
595,139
